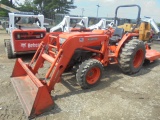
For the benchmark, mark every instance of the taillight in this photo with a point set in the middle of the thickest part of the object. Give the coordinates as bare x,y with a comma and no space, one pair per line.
42,35
29,36
18,36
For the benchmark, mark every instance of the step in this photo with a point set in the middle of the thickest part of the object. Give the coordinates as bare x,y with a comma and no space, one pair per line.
111,55
112,63
52,53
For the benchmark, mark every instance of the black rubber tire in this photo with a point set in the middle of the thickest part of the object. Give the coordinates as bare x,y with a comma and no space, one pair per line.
127,55
9,50
83,70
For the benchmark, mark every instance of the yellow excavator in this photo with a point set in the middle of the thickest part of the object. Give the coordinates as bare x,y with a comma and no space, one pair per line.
146,29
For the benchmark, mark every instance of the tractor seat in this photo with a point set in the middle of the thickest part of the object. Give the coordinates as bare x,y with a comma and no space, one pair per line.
117,35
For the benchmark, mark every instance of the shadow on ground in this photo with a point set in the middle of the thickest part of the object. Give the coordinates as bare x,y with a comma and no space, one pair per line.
111,74
147,67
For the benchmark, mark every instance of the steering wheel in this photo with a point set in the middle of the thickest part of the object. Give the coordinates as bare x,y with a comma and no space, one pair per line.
108,32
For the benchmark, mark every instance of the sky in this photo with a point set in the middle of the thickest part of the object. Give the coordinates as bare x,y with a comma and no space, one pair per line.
150,8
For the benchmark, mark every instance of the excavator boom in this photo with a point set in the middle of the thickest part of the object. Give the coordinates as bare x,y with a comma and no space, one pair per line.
152,23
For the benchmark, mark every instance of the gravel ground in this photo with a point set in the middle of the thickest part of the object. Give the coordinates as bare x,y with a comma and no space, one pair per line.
117,97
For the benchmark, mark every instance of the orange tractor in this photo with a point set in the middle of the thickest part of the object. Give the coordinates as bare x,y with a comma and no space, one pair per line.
90,51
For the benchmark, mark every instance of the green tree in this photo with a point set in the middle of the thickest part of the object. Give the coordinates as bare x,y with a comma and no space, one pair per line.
27,6
47,7
50,7
3,12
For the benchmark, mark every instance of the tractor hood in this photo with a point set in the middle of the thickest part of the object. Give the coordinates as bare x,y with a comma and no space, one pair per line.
63,37
83,34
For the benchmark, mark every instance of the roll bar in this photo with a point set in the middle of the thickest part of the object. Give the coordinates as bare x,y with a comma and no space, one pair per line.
133,5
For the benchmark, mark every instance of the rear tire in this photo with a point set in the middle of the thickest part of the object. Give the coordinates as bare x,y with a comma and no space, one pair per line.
89,73
9,49
132,56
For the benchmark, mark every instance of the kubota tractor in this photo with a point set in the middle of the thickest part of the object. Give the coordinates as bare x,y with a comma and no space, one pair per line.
88,51
26,32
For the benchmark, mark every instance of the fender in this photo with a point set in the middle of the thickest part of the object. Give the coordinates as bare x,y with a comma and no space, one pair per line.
125,38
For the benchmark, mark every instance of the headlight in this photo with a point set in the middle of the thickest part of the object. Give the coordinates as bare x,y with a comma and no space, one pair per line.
62,40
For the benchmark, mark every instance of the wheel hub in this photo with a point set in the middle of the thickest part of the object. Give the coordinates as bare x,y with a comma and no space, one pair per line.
93,75
138,58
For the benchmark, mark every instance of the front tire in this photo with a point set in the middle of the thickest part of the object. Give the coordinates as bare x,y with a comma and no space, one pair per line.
132,56
89,73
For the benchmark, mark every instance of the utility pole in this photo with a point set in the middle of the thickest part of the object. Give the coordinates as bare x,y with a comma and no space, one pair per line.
97,9
82,11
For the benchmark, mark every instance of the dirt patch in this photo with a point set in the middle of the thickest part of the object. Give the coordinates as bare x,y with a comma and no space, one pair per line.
118,96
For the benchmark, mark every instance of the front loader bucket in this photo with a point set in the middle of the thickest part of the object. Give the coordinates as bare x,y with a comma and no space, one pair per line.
33,95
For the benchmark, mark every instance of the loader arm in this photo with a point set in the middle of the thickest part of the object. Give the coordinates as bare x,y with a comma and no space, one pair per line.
63,57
